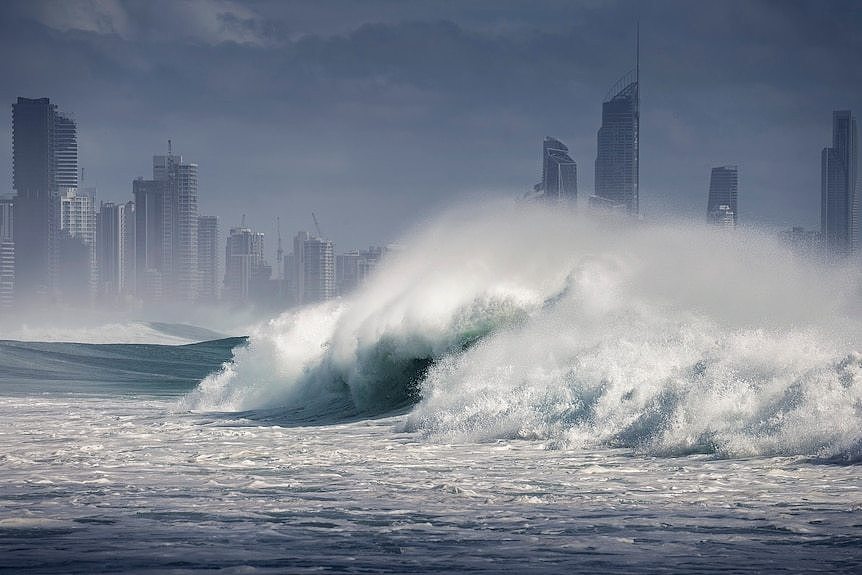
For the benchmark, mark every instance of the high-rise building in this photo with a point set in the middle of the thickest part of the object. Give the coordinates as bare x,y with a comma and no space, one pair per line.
7,253
111,249
45,161
839,201
319,270
129,236
152,237
559,172
722,208
246,272
76,245
208,250
313,261
353,268
618,157
166,230
298,261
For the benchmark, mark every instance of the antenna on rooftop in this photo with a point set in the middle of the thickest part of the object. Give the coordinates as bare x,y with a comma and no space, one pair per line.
242,225
169,148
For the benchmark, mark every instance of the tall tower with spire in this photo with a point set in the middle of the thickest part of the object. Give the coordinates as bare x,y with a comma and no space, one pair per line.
618,157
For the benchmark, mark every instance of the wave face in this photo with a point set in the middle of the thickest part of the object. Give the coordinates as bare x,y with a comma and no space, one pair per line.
124,368
156,333
518,322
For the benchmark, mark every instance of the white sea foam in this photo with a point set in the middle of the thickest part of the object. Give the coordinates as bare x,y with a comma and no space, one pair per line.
521,322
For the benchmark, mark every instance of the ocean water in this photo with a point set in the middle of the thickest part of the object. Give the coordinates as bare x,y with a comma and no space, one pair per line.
516,391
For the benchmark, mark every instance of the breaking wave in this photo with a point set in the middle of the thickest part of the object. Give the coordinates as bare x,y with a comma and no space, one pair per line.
519,322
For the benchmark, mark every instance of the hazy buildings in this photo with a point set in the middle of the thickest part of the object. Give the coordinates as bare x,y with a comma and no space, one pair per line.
112,250
839,204
353,268
802,241
76,245
166,230
208,250
7,253
45,161
559,172
319,270
721,208
617,159
247,274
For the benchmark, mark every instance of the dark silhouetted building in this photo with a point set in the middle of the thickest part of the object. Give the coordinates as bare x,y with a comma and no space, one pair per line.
559,172
617,159
721,207
44,161
839,204
114,231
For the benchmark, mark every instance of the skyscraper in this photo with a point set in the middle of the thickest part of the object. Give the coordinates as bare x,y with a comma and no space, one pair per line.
76,245
618,157
129,246
166,230
7,253
721,208
152,237
298,261
559,172
246,272
319,270
208,250
45,161
839,202
111,248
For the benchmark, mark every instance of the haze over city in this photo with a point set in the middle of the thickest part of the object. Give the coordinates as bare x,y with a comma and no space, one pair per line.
375,115
430,287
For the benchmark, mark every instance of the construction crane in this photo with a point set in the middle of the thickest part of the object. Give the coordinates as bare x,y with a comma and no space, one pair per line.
317,225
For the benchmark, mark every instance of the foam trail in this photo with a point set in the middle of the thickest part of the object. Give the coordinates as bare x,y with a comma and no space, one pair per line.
522,322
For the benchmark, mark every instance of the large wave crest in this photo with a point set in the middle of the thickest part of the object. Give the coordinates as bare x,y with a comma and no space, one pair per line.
502,321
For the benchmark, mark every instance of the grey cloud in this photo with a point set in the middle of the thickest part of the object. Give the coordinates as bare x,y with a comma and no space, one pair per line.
376,113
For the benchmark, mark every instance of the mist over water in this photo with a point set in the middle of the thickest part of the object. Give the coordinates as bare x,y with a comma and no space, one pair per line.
501,321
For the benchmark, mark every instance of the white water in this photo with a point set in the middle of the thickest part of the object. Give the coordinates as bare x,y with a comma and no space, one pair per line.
581,333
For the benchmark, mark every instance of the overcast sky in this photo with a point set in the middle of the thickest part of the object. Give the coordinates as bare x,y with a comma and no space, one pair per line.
377,114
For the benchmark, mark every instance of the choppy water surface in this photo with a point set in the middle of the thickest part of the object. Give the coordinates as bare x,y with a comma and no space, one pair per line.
517,391
121,485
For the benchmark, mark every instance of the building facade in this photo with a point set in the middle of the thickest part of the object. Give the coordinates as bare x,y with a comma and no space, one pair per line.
76,245
839,201
7,253
618,158
319,270
247,275
44,163
722,208
166,231
559,172
208,258
111,250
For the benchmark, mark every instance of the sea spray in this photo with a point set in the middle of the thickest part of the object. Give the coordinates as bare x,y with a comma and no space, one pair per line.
526,322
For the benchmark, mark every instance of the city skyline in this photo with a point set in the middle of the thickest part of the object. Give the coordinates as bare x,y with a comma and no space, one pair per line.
388,111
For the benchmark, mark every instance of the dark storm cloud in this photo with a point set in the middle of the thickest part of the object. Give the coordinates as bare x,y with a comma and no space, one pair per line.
376,113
